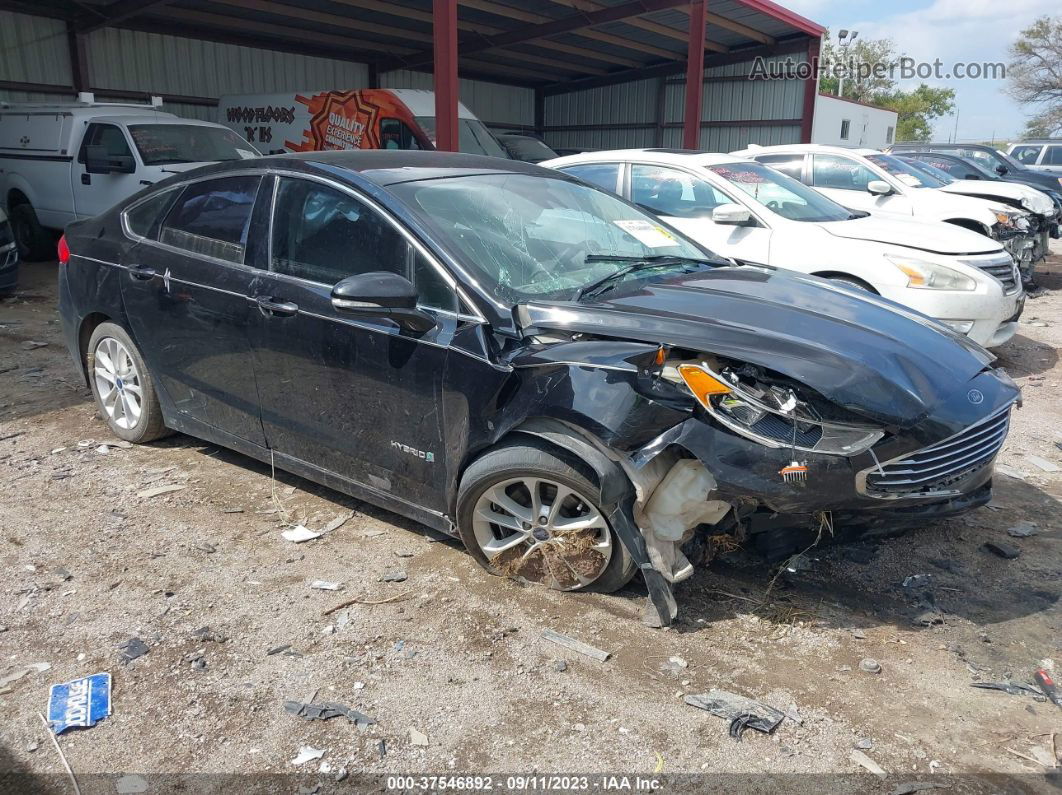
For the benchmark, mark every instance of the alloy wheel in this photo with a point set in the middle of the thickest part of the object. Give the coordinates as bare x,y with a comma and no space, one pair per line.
543,531
118,383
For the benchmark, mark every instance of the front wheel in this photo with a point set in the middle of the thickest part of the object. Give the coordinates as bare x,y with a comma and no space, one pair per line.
122,386
523,511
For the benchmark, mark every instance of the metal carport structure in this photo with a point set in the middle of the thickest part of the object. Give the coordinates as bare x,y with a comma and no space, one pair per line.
634,59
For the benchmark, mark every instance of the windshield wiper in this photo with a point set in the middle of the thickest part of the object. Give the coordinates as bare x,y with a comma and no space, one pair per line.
634,264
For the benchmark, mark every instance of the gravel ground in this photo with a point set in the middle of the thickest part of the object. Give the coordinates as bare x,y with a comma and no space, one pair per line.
451,663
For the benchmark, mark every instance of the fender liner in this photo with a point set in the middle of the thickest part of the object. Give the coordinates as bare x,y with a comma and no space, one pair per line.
617,497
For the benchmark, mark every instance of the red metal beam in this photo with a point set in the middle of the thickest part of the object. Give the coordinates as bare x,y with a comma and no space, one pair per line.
811,90
691,129
444,31
792,18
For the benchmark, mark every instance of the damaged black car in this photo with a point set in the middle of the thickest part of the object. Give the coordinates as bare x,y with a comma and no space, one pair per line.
501,352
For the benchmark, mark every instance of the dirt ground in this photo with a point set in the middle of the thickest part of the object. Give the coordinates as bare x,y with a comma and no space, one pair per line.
451,662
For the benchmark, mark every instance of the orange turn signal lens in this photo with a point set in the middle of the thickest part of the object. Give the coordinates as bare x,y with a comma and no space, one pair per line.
915,278
701,384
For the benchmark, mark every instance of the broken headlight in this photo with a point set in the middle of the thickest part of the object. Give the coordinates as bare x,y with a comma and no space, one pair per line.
773,414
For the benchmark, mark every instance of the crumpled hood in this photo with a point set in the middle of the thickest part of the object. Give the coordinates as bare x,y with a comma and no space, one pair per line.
934,236
875,358
1038,201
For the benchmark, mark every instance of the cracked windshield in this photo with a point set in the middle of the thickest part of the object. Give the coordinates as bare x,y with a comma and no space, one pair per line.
527,237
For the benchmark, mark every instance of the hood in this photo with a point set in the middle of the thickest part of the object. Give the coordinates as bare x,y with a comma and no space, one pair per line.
869,355
933,236
1028,198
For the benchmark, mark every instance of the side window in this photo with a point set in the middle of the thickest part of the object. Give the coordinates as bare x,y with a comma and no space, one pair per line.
790,165
846,126
1053,156
325,235
979,157
211,218
833,171
142,220
110,137
674,193
604,175
1026,154
395,134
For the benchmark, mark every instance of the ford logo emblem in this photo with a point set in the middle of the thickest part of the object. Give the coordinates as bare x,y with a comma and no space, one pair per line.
976,396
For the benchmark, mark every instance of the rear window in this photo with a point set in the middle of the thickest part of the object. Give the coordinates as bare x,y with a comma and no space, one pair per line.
211,218
142,219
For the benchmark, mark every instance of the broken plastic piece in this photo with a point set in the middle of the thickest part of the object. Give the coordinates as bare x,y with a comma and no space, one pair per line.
743,713
795,472
576,645
1047,684
326,711
298,534
79,703
1014,688
307,753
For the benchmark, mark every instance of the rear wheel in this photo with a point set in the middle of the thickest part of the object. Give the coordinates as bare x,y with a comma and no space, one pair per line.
122,386
525,512
35,243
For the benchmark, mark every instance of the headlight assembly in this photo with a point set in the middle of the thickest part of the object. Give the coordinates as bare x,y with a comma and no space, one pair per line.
931,276
772,415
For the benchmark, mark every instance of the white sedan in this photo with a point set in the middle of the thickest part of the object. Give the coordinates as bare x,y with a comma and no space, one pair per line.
750,212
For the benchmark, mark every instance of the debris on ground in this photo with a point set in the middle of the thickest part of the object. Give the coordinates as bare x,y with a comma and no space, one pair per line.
394,576
417,738
326,585
743,713
20,671
336,523
870,665
917,580
865,761
560,666
32,345
1004,550
1047,684
299,533
1043,463
307,753
1013,688
132,649
159,490
576,645
1023,529
864,744
326,711
277,649
927,619
79,703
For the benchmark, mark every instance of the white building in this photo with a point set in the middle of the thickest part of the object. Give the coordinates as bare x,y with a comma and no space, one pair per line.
845,122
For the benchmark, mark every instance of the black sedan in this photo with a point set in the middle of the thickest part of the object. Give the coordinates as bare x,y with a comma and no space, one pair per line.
502,352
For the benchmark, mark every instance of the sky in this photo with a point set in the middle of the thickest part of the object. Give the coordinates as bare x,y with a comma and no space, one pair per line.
954,31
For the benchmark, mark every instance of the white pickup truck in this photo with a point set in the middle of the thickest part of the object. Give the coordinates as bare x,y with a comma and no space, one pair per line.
64,162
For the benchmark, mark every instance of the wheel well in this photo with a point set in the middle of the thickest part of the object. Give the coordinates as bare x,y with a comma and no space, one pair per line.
88,325
848,276
16,197
966,223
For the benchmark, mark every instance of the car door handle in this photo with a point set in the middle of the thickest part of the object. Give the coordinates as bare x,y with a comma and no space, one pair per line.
142,273
86,179
268,306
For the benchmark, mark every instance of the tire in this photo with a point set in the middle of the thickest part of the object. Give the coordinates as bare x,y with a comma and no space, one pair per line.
112,354
852,282
599,562
35,243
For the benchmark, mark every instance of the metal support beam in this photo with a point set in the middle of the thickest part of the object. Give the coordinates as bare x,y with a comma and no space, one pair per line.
811,91
661,109
540,111
691,130
444,31
77,45
114,13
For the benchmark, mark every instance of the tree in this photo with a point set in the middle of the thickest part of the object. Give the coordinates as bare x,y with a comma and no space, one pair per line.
916,109
869,63
1035,75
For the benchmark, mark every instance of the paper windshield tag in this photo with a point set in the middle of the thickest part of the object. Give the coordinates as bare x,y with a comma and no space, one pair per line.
647,233
79,703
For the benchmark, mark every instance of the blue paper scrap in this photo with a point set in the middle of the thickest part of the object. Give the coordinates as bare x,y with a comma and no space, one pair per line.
79,703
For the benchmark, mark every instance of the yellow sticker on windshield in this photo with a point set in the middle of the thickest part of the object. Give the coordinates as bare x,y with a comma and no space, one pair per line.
647,233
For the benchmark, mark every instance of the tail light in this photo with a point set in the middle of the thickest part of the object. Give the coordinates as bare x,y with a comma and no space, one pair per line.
64,251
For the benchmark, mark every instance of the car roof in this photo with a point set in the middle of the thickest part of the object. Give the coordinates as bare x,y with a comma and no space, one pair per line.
752,151
673,156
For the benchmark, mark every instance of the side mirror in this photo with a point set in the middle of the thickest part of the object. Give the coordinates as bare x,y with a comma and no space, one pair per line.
97,161
1001,169
731,215
384,295
879,187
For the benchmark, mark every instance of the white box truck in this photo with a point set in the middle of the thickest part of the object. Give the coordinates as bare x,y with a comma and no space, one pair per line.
367,118
64,162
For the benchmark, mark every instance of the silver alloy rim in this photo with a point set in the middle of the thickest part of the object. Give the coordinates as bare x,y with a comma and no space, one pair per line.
118,383
542,528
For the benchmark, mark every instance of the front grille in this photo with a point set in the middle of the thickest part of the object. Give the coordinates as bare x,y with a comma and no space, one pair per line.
934,469
1002,270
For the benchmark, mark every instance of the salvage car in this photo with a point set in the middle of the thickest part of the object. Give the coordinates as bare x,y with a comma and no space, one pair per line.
572,387
990,158
8,256
747,210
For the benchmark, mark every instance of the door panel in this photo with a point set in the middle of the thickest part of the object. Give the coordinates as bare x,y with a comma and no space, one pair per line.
97,193
189,312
